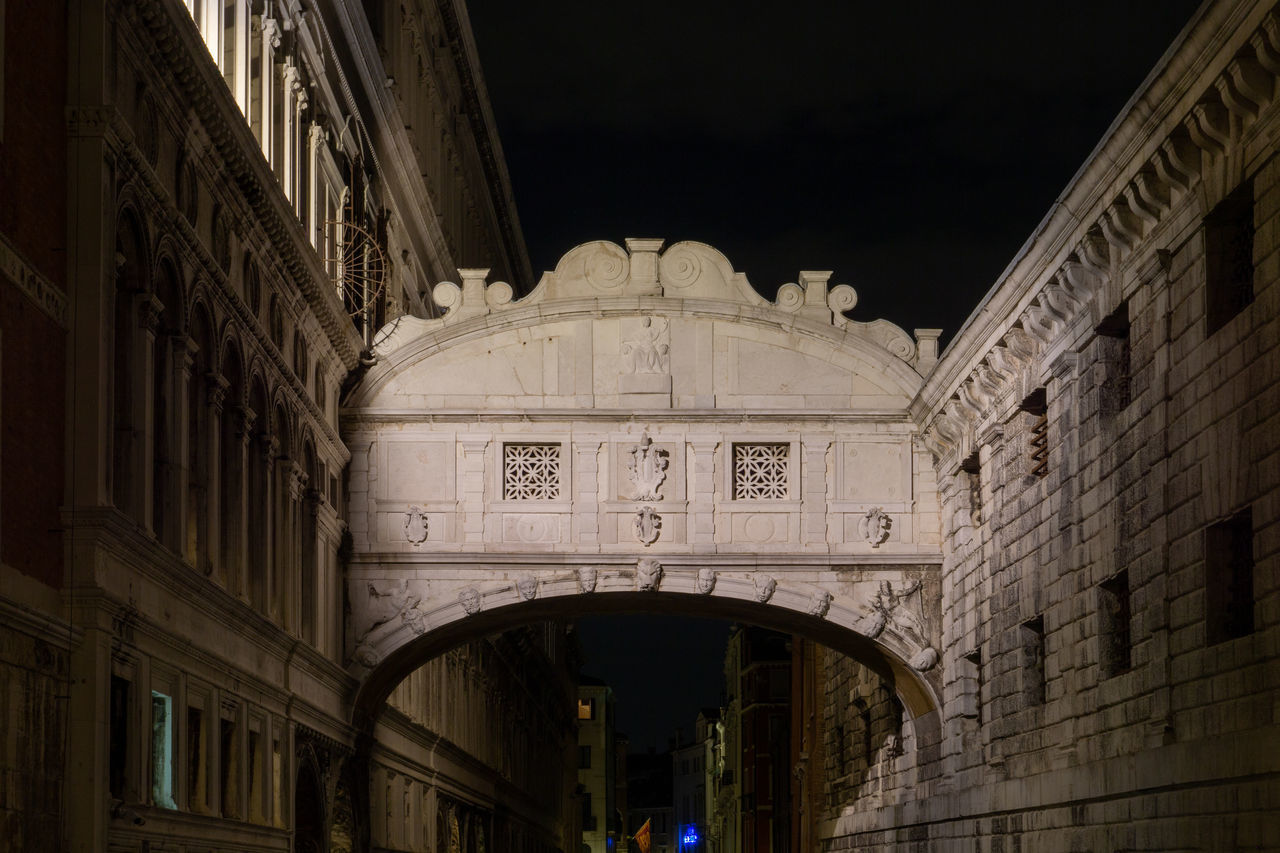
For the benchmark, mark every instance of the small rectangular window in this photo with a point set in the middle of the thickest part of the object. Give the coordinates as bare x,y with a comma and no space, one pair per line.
974,659
230,781
531,472
120,737
1228,257
197,755
1114,355
1228,578
162,750
760,471
971,474
1114,617
586,709
1033,674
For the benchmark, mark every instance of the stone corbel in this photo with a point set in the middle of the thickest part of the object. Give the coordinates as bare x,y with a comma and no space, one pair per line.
1083,282
1238,101
987,380
1058,300
1095,252
1178,161
1020,345
148,309
1121,228
972,400
1266,50
1209,127
947,428
1152,194
271,32
1064,366
1251,80
1039,324
1003,363
1146,211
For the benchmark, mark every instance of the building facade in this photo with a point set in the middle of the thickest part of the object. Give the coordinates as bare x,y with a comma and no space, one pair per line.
208,209
597,766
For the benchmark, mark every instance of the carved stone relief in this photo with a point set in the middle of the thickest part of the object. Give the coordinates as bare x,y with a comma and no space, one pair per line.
820,604
706,581
874,526
415,525
648,469
648,525
527,586
471,601
765,586
648,574
587,576
648,350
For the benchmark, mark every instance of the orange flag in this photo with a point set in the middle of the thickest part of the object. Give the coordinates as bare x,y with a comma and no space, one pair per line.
642,838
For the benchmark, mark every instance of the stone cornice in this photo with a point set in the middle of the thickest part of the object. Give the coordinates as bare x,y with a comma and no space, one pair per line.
176,44
1147,165
354,419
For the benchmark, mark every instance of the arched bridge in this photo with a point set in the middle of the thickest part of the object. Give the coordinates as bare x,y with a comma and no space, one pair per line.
643,432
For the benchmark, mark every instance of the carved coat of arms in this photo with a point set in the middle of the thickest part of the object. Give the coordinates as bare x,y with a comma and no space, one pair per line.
648,525
648,469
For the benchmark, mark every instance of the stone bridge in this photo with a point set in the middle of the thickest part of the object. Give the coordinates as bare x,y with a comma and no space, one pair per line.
644,432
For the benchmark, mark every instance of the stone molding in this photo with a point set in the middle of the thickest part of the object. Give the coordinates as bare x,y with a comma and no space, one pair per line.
1027,315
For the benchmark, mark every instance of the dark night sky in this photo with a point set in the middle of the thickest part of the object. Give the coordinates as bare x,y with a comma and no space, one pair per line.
910,146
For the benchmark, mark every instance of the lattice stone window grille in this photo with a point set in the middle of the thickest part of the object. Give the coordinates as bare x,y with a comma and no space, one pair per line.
760,471
531,472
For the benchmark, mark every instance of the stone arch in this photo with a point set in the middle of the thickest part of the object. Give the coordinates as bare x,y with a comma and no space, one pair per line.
310,811
417,628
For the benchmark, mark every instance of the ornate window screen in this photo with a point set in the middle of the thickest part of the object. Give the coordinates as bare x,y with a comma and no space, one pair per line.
531,472
760,471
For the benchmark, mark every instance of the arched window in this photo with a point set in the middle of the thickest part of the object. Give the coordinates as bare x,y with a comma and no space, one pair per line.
200,407
231,449
126,431
166,371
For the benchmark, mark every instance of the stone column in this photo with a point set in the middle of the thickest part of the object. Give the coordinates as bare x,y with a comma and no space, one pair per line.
471,485
209,515
271,518
586,489
270,41
702,526
813,491
236,528
182,351
147,313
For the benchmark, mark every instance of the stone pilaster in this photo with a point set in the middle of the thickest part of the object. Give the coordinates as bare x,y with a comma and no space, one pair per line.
471,486
814,450
702,527
586,489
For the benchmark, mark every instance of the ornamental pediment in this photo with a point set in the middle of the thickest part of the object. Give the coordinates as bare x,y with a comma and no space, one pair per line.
640,328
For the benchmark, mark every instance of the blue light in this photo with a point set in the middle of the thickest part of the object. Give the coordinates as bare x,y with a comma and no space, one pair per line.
690,835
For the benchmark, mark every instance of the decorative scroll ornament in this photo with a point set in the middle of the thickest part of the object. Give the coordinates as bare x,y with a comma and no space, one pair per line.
889,606
765,586
820,604
706,581
648,574
648,469
527,586
874,526
415,525
648,525
470,600
587,576
647,352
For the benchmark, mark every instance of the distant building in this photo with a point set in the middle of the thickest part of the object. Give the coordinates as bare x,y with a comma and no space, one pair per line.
753,802
693,784
649,789
597,765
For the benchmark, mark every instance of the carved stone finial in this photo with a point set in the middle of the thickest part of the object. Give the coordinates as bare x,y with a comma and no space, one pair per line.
587,576
820,604
648,469
648,525
706,580
874,526
470,600
527,586
648,574
765,586
415,525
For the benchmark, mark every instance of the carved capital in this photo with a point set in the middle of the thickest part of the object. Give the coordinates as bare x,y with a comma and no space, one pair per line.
216,386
